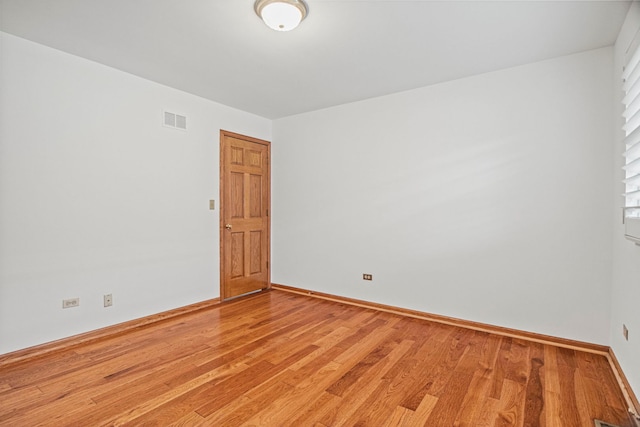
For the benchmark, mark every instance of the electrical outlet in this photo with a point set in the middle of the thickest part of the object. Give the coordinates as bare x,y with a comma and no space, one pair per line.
625,332
108,300
71,302
367,277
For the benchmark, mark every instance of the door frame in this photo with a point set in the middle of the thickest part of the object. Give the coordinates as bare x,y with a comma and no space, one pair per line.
223,188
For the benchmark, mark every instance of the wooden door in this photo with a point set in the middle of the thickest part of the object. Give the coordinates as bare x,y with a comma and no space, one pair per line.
245,195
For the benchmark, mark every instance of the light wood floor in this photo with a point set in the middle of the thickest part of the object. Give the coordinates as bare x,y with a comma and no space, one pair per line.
280,359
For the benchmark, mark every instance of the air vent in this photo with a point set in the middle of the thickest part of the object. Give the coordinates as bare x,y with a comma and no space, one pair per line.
181,122
603,424
173,120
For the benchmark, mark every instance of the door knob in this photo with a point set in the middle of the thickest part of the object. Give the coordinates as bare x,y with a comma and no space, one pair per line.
228,226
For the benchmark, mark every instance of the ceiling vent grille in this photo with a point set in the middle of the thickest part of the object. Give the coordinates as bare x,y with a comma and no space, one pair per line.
173,120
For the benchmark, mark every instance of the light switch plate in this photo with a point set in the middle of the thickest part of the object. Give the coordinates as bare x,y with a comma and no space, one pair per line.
212,204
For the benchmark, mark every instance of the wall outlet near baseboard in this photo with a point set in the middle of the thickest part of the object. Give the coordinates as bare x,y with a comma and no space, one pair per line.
71,302
367,276
625,332
108,300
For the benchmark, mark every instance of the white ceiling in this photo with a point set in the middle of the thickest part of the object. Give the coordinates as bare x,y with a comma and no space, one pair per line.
346,50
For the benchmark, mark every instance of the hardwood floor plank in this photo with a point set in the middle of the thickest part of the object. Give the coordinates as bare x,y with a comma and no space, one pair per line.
315,409
585,397
551,388
362,341
360,369
22,374
399,417
52,410
474,399
421,415
327,348
436,375
488,413
534,397
478,390
385,398
352,399
518,361
179,401
501,368
568,402
284,359
450,400
15,400
256,405
510,410
237,385
192,419
287,406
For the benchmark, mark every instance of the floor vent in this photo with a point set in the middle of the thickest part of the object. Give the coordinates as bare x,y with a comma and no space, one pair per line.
603,424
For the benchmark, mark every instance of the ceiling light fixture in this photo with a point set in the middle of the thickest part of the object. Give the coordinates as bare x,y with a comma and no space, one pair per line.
281,15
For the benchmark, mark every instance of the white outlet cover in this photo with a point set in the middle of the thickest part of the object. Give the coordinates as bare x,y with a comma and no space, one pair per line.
70,302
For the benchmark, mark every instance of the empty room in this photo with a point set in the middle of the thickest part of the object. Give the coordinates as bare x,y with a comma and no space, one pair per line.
319,213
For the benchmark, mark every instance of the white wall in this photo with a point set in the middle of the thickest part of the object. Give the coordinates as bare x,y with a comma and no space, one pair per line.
625,306
97,197
486,198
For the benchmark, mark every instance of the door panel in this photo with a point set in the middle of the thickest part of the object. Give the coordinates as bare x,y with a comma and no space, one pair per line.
244,217
255,237
236,198
237,255
255,196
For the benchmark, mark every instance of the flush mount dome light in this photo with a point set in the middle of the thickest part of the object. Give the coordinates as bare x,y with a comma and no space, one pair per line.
281,15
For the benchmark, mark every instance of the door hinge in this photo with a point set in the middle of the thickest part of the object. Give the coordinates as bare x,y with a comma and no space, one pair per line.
267,212
267,264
